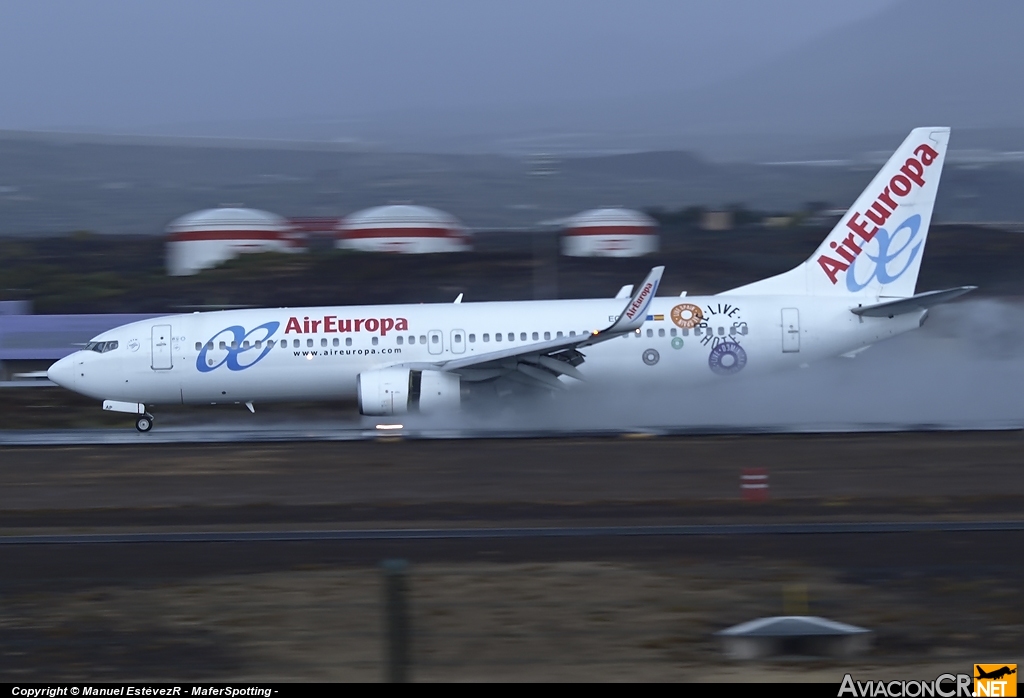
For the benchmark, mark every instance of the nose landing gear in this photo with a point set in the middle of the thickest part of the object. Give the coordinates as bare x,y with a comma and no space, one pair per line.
144,423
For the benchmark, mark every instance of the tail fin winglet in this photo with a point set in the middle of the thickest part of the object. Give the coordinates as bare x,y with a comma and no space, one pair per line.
635,312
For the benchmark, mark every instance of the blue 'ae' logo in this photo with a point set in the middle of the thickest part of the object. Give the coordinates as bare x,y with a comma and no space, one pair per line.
241,354
887,256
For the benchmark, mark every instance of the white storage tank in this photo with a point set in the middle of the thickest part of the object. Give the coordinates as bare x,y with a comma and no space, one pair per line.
204,239
610,232
402,228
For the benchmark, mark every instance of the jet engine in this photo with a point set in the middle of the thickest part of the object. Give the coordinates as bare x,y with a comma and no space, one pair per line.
388,391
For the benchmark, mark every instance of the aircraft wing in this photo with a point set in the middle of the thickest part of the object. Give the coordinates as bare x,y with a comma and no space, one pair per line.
540,364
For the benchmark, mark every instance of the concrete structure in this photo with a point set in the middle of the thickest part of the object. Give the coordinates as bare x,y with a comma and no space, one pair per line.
717,220
402,228
793,635
204,239
610,232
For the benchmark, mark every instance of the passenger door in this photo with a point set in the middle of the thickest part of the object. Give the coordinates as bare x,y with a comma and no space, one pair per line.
161,342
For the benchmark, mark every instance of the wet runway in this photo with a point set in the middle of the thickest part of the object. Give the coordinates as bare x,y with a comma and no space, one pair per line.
349,431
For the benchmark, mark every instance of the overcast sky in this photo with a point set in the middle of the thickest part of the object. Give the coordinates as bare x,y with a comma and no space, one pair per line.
123,66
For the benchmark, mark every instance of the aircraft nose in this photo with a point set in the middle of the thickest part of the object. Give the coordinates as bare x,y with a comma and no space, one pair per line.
63,372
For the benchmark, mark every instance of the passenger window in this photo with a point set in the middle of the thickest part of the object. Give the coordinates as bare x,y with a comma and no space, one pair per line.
270,343
245,344
423,339
223,345
686,332
497,336
511,336
661,332
295,343
472,338
536,336
650,333
348,341
572,333
209,345
259,343
672,332
338,341
398,339
458,339
234,345
309,342
412,339
522,336
374,341
434,339
487,337
696,331
547,335
323,341
199,346
721,331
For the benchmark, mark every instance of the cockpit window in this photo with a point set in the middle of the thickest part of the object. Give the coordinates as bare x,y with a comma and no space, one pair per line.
101,347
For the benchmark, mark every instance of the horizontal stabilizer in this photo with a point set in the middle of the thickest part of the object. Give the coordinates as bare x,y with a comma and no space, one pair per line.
921,301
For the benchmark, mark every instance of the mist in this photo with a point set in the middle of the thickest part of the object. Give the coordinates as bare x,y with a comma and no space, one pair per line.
962,370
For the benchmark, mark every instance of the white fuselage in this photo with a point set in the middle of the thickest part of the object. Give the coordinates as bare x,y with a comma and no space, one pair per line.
292,354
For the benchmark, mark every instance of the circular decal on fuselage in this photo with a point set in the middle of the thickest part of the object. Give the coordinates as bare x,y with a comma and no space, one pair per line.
687,315
727,358
651,357
677,342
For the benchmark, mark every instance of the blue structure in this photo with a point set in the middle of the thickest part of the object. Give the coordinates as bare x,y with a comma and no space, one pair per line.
33,342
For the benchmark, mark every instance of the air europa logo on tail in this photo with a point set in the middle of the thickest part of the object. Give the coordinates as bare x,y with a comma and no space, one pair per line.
885,204
639,302
333,323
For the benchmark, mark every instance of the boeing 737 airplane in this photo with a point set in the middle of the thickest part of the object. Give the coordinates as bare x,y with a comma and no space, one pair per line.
856,289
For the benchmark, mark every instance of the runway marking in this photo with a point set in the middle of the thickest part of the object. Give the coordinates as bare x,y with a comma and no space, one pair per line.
515,533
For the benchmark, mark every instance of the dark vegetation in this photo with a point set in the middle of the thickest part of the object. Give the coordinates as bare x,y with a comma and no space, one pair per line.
86,273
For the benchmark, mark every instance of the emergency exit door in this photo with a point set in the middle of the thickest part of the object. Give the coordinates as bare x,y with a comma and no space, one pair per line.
790,330
458,343
435,342
162,348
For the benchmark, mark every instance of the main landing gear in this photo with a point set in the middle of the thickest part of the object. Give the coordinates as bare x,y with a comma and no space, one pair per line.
144,423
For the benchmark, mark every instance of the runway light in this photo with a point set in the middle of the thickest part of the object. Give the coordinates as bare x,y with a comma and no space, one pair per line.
389,427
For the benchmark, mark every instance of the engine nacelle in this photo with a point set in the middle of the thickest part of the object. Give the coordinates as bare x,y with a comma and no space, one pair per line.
389,391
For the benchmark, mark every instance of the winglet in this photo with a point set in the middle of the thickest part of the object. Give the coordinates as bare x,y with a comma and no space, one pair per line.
635,312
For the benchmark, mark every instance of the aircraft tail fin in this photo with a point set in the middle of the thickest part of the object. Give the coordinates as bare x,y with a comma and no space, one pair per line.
875,250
